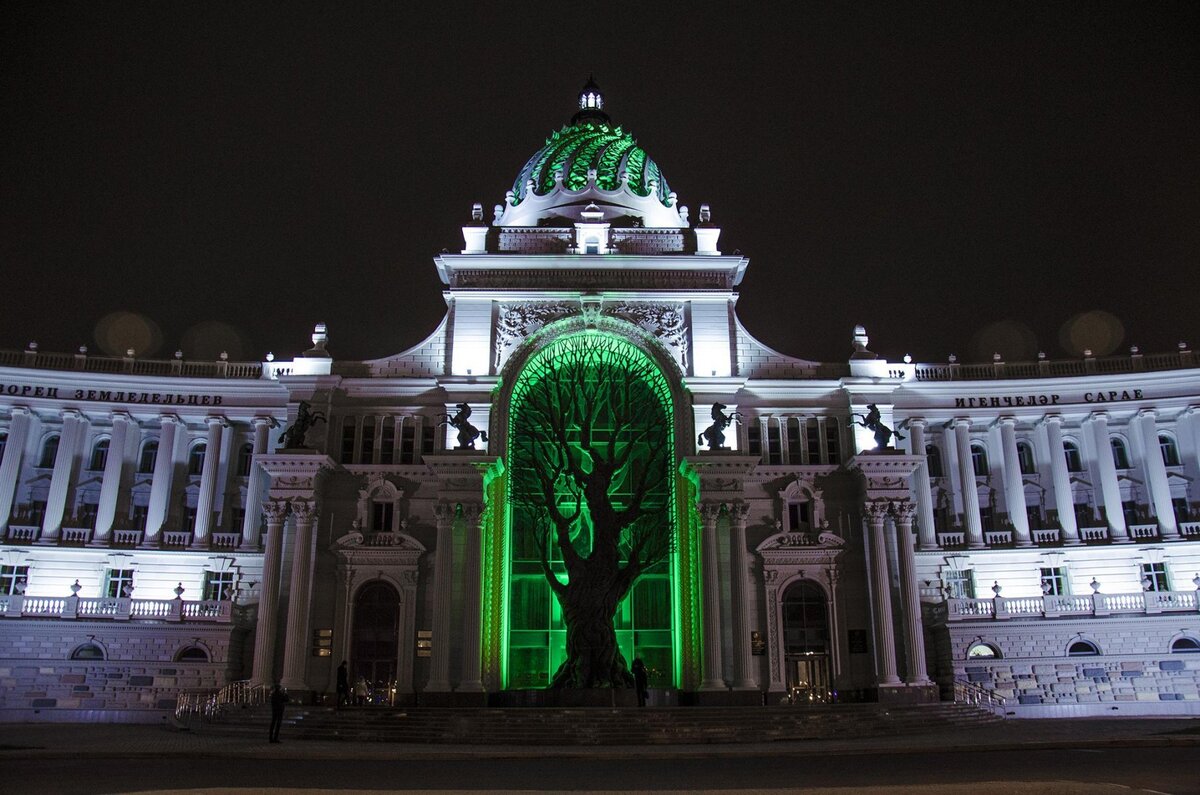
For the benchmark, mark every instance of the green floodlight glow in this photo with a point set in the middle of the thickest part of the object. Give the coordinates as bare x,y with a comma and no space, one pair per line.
601,399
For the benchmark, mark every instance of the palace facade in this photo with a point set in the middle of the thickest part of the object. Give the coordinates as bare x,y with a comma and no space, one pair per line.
1031,534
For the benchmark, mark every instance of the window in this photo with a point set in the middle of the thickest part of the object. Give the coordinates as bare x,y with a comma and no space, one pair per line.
754,439
986,518
381,516
1054,582
1083,648
348,440
813,431
1025,458
979,460
933,460
88,509
1120,453
408,445
37,510
1185,646
794,442
148,457
189,517
387,441
219,586
1154,577
88,651
368,440
1169,450
3,443
774,446
1182,512
798,514
245,460
833,445
196,459
1074,459
49,452
99,457
959,583
138,519
983,651
192,654
13,580
427,441
119,583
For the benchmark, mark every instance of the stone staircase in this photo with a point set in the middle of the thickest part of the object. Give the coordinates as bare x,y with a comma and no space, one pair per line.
606,726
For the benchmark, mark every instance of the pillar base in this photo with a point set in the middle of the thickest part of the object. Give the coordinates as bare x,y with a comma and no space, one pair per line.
909,694
712,686
470,687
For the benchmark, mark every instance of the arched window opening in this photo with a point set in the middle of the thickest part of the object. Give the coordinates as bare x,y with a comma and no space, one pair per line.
88,651
983,651
1025,458
196,458
192,654
245,459
1185,646
49,452
99,457
1083,648
1169,450
375,639
933,460
805,620
1120,453
1074,459
148,457
979,460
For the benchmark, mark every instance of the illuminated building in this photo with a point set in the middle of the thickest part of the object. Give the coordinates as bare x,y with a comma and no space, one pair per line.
1035,536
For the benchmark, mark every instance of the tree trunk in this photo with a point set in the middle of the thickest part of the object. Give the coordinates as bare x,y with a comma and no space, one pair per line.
594,659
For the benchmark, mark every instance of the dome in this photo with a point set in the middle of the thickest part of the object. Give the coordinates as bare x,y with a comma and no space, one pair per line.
590,161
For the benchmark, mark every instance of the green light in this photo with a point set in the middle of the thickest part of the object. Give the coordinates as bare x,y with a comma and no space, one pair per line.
575,149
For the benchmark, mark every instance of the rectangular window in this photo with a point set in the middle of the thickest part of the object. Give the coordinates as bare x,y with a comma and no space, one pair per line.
387,443
798,516
1180,504
138,520
428,438
189,517
348,440
959,583
813,432
1034,513
219,586
37,511
381,517
1130,509
1154,577
986,518
753,439
1054,582
368,441
13,579
119,582
795,443
774,446
408,445
833,442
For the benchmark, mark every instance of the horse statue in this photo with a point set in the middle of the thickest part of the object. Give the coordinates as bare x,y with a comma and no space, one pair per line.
467,433
715,434
873,421
292,437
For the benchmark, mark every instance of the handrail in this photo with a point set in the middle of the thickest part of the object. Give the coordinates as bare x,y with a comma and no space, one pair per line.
970,693
208,704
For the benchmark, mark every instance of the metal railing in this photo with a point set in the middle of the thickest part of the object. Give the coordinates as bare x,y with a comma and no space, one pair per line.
208,704
970,693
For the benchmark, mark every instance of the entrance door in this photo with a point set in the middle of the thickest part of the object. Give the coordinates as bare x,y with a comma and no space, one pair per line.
374,643
808,679
806,643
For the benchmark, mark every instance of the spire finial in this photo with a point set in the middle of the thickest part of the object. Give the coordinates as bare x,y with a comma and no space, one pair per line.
591,103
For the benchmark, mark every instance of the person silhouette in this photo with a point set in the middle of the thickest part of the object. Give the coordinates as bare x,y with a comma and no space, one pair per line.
639,680
279,699
343,685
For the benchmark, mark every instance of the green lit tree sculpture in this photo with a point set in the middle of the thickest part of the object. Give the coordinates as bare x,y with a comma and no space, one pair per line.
591,439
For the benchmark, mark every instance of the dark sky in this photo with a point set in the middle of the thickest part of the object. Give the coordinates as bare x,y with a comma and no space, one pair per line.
957,177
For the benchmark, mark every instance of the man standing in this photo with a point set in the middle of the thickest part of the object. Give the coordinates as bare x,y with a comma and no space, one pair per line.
279,700
343,685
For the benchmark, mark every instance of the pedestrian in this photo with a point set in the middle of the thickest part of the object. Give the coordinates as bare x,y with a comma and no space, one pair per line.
279,699
343,685
361,692
639,681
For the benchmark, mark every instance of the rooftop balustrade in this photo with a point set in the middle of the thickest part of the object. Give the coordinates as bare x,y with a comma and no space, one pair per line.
115,609
1097,604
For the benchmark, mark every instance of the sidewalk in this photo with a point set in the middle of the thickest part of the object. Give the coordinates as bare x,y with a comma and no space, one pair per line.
61,741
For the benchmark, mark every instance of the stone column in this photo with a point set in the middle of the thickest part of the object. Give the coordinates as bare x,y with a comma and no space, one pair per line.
443,599
966,477
472,614
418,433
885,640
397,437
74,429
114,467
714,675
268,596
740,595
784,453
914,632
251,522
1110,489
920,482
296,640
1014,488
160,484
208,482
764,437
10,466
1156,475
1063,500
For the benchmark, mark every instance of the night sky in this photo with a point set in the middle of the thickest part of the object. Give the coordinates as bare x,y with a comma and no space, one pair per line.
960,178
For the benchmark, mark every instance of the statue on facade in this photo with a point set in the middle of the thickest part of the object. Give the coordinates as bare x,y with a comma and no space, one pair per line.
467,433
873,421
715,434
292,437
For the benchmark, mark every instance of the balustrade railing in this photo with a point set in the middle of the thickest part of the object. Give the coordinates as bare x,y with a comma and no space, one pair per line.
971,693
1143,531
997,537
116,608
1189,529
1097,604
1093,533
1050,535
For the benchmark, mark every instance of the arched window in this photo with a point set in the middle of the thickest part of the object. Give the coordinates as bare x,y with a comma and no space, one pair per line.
192,654
148,457
88,651
1082,648
49,452
99,456
245,459
933,460
1185,646
1025,458
1120,453
1169,450
1074,459
805,619
196,458
979,461
983,651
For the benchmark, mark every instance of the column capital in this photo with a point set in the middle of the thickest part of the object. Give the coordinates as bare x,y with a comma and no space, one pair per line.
917,422
74,414
1099,416
709,511
877,510
1056,419
276,511
903,511
1191,411
445,512
269,422
1148,413
170,419
304,510
216,419
959,422
19,411
121,416
738,512
1006,420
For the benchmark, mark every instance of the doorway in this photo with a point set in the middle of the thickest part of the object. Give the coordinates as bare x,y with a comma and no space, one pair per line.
806,643
374,644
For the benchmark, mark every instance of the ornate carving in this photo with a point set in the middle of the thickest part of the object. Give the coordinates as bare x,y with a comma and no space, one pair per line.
664,321
739,512
709,511
515,322
276,511
444,512
877,510
304,510
904,510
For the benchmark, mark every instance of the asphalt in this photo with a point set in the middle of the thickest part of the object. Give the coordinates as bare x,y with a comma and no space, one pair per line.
132,741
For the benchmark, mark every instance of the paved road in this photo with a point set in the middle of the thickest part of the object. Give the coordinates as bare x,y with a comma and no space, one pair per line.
1169,770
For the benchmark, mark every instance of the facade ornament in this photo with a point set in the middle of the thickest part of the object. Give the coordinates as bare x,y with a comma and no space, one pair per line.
715,434
873,421
292,437
276,511
515,322
666,321
304,510
467,433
